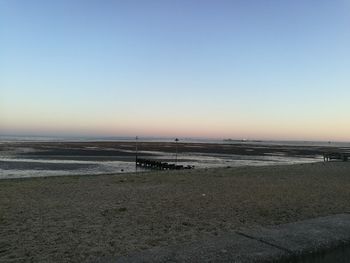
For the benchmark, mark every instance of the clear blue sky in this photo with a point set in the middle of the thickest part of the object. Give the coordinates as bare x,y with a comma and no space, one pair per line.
239,69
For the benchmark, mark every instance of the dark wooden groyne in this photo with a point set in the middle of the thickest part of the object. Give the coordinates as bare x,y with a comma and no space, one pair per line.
153,164
343,156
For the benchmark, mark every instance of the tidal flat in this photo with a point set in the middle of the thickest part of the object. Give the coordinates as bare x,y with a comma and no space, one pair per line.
41,159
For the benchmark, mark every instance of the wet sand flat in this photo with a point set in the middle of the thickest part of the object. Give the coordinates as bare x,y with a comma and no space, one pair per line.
8,165
21,159
126,150
83,218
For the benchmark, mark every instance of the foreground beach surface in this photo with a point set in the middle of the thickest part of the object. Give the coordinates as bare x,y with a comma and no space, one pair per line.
86,218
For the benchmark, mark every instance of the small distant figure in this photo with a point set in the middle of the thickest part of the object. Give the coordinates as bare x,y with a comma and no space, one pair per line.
326,157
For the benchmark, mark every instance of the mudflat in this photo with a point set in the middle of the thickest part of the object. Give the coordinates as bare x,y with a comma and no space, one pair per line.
83,218
125,151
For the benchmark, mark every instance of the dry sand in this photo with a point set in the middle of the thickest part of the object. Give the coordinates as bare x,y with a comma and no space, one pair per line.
82,218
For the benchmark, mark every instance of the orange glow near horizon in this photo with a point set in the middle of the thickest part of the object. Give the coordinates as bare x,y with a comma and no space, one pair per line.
189,128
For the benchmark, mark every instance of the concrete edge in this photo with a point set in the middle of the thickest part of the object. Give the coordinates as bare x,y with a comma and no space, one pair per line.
281,243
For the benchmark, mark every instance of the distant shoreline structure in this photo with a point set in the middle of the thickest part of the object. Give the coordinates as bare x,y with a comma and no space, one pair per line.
241,140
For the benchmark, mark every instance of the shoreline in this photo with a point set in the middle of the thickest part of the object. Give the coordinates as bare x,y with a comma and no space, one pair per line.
152,171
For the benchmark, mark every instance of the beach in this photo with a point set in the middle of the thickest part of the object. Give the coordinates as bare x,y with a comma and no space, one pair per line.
174,131
91,217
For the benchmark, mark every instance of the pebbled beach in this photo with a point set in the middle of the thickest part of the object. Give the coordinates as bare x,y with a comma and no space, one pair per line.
86,218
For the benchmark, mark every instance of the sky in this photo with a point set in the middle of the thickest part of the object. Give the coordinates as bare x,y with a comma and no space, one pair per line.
256,69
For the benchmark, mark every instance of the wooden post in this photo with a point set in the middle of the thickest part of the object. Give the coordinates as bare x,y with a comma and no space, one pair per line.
136,138
176,140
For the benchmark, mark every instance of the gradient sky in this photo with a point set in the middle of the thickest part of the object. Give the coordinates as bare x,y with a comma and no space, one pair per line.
263,69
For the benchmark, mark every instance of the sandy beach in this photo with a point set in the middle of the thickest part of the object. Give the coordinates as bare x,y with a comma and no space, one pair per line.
84,218
132,128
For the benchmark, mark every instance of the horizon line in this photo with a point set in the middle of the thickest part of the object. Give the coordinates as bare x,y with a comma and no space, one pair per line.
129,137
